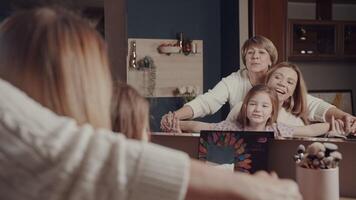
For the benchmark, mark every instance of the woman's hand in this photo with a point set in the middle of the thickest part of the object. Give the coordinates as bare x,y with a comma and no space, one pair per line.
176,125
167,122
186,112
170,123
337,128
207,182
266,174
269,186
348,120
350,123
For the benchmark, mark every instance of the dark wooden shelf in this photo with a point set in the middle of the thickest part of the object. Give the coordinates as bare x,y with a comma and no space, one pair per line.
321,40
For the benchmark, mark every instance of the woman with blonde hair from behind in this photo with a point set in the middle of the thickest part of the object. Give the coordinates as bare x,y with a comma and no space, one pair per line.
54,57
130,112
59,62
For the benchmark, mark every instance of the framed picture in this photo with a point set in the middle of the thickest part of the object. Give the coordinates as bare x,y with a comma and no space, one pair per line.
342,99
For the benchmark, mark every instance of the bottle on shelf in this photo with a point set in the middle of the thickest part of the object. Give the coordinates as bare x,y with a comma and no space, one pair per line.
180,41
132,60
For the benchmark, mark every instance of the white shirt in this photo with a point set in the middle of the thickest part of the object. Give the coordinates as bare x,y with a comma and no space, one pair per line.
234,88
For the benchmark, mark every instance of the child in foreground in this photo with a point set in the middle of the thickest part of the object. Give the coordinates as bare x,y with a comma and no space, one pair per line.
130,112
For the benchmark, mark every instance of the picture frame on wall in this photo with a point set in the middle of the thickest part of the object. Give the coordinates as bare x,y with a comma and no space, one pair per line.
342,99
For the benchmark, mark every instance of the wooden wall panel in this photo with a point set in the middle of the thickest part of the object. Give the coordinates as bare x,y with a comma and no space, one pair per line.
116,36
269,18
172,71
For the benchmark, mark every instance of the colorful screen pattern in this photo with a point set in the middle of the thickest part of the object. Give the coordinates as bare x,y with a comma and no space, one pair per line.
248,154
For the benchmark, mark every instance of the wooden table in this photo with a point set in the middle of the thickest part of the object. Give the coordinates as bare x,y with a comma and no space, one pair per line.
279,157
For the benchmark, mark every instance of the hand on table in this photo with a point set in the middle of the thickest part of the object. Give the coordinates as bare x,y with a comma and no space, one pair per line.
269,186
350,123
337,128
167,122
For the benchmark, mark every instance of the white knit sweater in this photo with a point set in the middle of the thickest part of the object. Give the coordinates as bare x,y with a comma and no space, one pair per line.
43,156
234,88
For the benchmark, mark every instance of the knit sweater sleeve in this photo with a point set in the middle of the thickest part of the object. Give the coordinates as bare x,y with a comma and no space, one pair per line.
234,112
44,156
283,130
317,108
226,126
211,101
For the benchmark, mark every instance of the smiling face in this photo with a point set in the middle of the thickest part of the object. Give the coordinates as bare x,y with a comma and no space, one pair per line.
284,81
257,59
259,109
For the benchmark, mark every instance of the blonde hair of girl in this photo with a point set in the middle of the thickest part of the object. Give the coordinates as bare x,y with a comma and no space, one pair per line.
59,60
130,112
242,116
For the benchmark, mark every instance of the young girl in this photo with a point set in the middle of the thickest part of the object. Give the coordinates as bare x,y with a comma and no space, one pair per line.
259,112
130,112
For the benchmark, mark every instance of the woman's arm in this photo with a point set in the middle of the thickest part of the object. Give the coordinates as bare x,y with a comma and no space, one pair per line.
208,103
186,112
48,143
234,112
348,119
207,182
319,110
197,126
194,126
212,100
312,130
334,128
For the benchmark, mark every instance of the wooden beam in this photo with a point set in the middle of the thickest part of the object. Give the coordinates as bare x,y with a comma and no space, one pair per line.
116,36
269,18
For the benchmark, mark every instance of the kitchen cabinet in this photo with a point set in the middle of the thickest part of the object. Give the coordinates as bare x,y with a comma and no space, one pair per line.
321,40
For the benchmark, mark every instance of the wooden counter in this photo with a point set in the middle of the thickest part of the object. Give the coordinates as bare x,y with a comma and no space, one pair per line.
280,157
